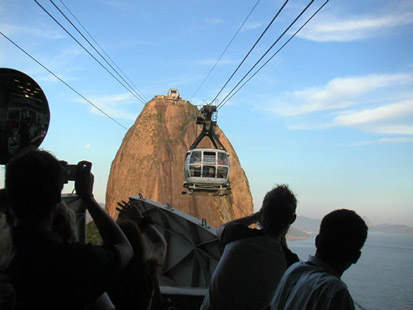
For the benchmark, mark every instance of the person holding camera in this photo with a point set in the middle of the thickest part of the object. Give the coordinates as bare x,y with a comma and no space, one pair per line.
46,271
253,260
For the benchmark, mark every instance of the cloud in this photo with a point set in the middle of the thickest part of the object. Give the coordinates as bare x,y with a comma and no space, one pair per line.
341,92
210,62
251,26
396,118
383,113
116,106
214,21
112,3
38,31
344,29
376,103
396,140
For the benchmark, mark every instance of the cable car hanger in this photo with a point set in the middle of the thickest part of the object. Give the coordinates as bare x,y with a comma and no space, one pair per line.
208,127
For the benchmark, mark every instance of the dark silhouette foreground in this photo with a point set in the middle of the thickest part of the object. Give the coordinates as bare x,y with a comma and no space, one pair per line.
253,260
48,272
316,284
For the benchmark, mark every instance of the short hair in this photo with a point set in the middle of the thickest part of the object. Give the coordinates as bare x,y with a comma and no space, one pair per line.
277,209
342,234
33,182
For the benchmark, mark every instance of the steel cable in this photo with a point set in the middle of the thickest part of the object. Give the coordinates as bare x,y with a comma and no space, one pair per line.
131,85
228,45
57,77
77,41
249,52
299,29
268,50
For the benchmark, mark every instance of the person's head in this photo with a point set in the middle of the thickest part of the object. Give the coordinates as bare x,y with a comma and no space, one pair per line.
33,181
64,222
341,237
278,210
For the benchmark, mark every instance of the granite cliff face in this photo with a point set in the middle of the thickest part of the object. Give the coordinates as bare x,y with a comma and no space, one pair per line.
151,158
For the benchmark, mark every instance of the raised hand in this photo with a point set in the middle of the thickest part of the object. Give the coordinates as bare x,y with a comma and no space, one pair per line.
84,180
130,212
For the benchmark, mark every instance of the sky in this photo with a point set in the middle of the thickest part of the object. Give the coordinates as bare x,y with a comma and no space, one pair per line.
331,115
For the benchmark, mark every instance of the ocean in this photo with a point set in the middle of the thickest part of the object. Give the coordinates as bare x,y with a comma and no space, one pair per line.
382,279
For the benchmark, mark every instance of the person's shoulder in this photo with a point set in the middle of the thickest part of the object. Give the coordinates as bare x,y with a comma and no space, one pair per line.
290,256
327,282
337,294
236,231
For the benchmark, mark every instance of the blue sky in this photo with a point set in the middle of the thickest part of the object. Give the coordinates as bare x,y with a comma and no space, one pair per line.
331,115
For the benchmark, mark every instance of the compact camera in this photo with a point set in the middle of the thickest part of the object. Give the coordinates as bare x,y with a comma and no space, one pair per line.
71,171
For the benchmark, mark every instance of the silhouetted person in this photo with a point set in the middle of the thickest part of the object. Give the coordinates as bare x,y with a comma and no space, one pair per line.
46,271
253,260
137,286
64,225
316,284
7,292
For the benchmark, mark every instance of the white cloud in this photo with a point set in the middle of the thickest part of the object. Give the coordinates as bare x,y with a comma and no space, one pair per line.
251,26
38,31
396,118
379,103
340,29
211,62
396,140
115,106
112,3
341,92
383,113
214,21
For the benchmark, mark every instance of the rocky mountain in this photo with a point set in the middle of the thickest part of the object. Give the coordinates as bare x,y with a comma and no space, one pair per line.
307,224
394,229
297,234
151,157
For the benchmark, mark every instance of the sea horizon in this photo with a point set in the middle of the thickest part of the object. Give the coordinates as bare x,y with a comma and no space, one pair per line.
382,278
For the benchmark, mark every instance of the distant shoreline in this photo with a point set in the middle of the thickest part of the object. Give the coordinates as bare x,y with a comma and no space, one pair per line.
298,238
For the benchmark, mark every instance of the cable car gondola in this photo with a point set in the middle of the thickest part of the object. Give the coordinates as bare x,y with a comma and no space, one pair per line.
207,169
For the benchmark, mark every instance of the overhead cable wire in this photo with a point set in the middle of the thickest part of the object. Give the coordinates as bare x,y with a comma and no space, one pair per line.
249,52
132,86
64,15
97,60
57,77
299,29
228,45
268,50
